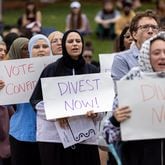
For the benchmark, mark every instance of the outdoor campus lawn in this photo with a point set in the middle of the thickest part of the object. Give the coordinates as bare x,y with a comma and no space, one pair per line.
54,16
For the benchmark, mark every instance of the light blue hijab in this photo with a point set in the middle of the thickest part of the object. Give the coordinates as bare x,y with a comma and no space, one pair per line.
34,39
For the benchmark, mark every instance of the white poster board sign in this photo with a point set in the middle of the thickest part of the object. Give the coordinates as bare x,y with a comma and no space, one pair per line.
146,99
75,95
106,61
20,77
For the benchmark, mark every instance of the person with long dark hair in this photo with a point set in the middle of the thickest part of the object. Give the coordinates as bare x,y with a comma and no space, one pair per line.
77,20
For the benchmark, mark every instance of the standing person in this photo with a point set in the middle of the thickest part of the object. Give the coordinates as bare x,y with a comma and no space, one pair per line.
124,40
143,26
3,50
140,152
55,39
51,150
77,20
5,114
106,19
88,54
9,39
23,123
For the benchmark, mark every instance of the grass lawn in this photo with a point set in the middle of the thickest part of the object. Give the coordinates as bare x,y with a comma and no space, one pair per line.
54,16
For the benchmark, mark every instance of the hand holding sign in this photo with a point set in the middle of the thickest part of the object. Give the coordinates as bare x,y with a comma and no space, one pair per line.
91,114
122,113
2,84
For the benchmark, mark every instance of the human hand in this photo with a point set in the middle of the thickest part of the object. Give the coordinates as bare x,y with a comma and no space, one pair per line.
63,122
91,114
2,84
123,113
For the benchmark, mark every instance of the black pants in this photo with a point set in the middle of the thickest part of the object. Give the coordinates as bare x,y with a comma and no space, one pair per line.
79,154
24,153
6,161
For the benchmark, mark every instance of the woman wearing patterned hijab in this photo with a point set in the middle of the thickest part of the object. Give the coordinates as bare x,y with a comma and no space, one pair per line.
51,148
141,152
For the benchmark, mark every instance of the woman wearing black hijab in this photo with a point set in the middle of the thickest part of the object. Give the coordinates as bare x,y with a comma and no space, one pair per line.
71,63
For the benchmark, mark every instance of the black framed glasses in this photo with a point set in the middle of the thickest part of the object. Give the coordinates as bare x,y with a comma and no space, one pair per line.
146,27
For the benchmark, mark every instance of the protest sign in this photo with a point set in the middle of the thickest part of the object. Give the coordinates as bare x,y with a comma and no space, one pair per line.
20,77
146,99
106,61
77,94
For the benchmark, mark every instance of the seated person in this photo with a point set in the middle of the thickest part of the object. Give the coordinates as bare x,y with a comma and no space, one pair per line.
31,19
106,19
77,20
126,16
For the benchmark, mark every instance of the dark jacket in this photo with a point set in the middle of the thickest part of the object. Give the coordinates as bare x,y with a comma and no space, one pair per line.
5,114
58,68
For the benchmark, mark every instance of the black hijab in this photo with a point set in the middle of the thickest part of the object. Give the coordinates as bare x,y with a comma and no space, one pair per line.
68,61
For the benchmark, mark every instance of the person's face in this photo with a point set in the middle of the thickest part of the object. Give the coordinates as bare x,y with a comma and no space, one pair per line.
40,48
30,7
3,51
75,10
127,40
157,55
74,45
87,55
108,6
146,28
56,44
162,5
24,51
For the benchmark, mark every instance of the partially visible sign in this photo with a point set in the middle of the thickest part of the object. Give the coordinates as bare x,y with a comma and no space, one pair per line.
146,99
106,61
20,77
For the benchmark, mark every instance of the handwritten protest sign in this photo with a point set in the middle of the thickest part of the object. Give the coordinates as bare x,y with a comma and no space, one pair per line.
106,61
146,99
75,95
20,77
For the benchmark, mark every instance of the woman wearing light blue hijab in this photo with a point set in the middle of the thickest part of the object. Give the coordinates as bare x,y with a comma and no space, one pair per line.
23,123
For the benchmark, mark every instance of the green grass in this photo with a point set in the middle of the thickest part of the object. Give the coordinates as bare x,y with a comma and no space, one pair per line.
54,15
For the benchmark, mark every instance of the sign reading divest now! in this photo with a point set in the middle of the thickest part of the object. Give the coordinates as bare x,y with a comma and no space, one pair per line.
20,77
146,99
77,94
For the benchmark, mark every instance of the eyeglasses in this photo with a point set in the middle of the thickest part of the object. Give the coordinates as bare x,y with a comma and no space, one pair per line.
146,27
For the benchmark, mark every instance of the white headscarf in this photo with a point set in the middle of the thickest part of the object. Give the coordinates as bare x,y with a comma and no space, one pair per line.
34,39
144,59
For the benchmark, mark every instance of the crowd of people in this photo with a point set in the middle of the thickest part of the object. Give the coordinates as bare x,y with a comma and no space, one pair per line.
27,137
